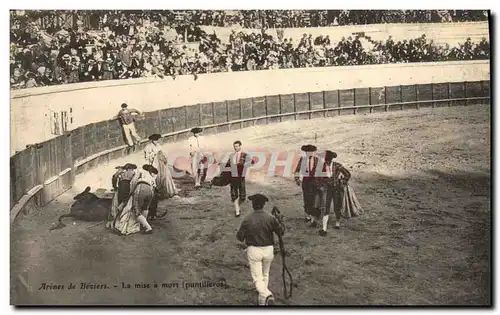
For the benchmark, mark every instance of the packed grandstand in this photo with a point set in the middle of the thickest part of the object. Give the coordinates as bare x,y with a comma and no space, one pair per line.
109,45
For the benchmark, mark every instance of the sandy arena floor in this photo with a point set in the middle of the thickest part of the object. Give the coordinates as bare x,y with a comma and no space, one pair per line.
423,178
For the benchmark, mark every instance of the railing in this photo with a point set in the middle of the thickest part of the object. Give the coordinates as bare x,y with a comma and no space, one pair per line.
48,169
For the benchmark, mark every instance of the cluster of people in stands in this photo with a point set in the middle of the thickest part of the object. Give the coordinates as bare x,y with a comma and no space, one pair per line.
278,18
319,18
129,46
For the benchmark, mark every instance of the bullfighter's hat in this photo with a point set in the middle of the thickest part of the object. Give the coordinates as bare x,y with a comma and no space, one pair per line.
150,168
129,166
154,137
196,130
258,201
309,148
330,155
124,105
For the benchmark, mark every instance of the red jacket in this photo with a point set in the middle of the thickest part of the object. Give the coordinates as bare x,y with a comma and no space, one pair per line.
321,177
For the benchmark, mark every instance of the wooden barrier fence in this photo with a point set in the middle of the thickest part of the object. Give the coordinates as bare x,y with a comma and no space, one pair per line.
43,171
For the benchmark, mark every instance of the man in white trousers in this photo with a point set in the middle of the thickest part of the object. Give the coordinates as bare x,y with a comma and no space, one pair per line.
256,231
125,115
199,160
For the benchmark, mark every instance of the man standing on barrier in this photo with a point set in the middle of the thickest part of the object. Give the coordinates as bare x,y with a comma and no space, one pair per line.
128,124
199,160
256,231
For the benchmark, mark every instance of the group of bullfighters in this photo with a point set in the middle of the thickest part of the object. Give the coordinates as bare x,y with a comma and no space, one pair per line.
322,179
324,184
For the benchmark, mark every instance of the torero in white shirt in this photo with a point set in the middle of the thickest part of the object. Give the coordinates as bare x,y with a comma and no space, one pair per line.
195,144
198,157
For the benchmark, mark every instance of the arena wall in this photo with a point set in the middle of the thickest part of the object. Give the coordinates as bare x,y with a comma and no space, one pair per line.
41,114
43,171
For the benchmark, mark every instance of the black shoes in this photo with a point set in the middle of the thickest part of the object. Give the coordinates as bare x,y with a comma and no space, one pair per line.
322,232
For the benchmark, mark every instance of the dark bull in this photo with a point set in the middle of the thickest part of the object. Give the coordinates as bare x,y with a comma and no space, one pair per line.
87,207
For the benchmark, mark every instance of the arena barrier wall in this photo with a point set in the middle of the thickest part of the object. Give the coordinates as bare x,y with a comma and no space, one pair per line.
40,114
43,171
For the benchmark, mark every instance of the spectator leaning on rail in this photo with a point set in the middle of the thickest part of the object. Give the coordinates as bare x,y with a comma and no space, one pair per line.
256,231
125,115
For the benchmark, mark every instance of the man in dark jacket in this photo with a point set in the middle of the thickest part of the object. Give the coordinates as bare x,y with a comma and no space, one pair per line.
338,177
305,177
239,166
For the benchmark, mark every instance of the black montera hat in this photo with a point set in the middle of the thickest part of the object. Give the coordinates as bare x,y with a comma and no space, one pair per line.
129,166
258,200
196,130
309,148
150,168
154,137
124,105
330,155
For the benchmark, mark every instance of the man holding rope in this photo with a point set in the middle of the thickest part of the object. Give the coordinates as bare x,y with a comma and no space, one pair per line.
256,231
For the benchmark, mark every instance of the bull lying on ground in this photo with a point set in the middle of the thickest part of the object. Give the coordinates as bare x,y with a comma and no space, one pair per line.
87,207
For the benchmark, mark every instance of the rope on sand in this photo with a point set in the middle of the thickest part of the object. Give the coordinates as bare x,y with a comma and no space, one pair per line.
94,225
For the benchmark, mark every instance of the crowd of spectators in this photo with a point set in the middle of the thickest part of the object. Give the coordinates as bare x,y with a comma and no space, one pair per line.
317,18
147,45
320,18
184,19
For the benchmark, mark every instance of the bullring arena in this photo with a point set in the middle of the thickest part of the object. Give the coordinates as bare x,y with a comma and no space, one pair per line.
426,228
418,149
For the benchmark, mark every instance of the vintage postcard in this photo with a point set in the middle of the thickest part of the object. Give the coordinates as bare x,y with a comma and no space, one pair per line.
250,157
